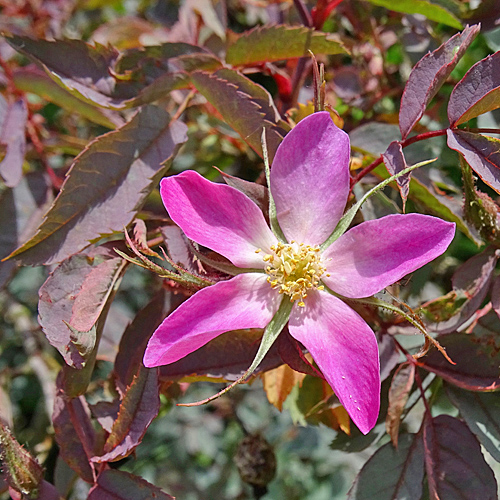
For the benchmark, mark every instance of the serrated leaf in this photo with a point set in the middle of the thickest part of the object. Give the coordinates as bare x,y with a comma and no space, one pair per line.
273,43
244,106
395,162
36,81
106,186
481,412
401,385
471,282
477,92
13,118
279,382
78,66
22,210
428,75
118,485
476,367
454,462
138,408
481,152
137,334
429,10
72,299
392,473
70,414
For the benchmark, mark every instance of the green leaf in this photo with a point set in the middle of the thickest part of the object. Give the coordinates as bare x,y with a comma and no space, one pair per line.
244,106
423,7
106,186
392,473
481,412
273,43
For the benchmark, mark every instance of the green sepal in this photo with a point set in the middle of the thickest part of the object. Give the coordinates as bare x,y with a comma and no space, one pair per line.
348,217
273,219
273,329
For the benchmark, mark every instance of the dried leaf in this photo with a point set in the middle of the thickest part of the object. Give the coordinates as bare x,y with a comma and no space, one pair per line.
454,462
106,186
428,75
401,385
279,382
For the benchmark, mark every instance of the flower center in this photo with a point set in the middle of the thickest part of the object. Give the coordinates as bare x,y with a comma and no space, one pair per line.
294,269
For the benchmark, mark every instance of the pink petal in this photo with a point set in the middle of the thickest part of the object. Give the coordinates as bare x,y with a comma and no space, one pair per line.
345,349
245,301
310,179
377,253
217,216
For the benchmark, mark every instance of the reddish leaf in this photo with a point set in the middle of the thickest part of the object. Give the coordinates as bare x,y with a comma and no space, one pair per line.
454,463
476,367
74,433
73,298
180,249
244,105
136,336
292,354
428,75
13,117
392,473
84,70
471,282
118,485
212,360
401,385
477,92
495,296
389,354
395,162
138,408
106,186
480,152
24,473
106,413
22,209
36,81
274,43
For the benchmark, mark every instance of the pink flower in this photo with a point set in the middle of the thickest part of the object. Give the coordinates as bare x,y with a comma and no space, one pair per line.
309,182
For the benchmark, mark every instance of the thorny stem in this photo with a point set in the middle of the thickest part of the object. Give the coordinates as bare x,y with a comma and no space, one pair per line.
412,140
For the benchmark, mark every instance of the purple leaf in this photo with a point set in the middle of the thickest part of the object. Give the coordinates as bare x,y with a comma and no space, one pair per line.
482,153
395,162
389,354
428,76
495,295
392,472
212,359
118,485
74,433
13,118
477,362
471,282
22,209
401,385
77,291
244,105
106,413
454,463
106,186
477,92
136,336
138,408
